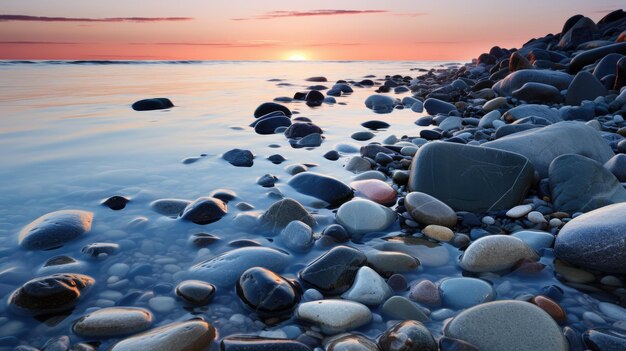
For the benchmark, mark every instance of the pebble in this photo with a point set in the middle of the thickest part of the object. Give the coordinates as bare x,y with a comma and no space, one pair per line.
196,292
55,229
352,342
283,212
297,236
428,210
152,104
380,103
192,335
461,293
361,216
519,211
113,321
438,232
162,304
495,252
401,308
239,158
333,272
322,187
205,210
387,263
425,292
334,316
362,136
375,190
249,343
368,288
267,293
408,335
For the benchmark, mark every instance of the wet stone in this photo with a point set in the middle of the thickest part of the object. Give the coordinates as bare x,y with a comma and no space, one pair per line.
205,210
408,335
55,229
239,158
352,342
368,288
113,321
401,308
495,252
425,292
334,316
192,335
96,249
333,273
202,239
152,104
250,343
196,292
116,202
460,293
297,236
322,187
169,207
375,125
283,212
361,216
267,293
270,107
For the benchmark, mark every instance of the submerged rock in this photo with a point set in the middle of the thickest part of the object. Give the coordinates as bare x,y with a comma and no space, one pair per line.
270,107
408,336
333,273
113,321
239,158
255,343
283,212
196,292
323,187
205,210
595,240
55,229
152,104
428,210
368,288
50,294
267,293
192,335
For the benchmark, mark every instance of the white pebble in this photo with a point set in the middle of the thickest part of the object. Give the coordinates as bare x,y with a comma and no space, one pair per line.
555,223
119,269
593,317
237,318
612,311
536,217
488,220
519,211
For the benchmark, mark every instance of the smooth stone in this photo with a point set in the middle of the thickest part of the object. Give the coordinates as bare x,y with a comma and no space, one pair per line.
507,325
580,184
50,294
205,210
267,293
337,233
113,321
612,311
435,106
94,250
617,166
297,236
494,104
438,232
584,87
401,308
347,148
226,268
162,304
606,65
551,307
523,111
361,216
269,107
450,344
302,129
595,239
417,107
333,272
425,292
590,56
375,125
116,202
605,339
267,180
283,212
357,164
461,293
380,103
495,253
539,145
518,62
169,207
192,335
536,217
332,155
428,210
375,190
368,288
362,136
322,187
55,229
254,343
451,123
572,274
517,79
269,125
334,316
152,104
370,175
196,292
389,262
239,158
519,211
536,92
471,178
352,342
408,336
311,140
535,239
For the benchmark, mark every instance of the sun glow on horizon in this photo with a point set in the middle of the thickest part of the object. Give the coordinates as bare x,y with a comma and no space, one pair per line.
296,56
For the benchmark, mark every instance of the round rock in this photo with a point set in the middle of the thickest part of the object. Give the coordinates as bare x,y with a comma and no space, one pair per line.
368,288
361,216
427,210
334,316
113,321
408,336
196,292
55,229
460,293
192,335
494,253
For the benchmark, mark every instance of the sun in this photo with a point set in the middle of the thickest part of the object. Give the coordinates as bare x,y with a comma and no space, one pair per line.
296,57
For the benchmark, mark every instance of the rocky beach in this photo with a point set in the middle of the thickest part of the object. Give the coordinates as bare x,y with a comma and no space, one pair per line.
495,220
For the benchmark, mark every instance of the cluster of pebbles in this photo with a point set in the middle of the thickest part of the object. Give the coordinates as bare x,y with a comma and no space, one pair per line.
521,176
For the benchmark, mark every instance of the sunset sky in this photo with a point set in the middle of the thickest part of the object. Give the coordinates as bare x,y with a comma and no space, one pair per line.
277,29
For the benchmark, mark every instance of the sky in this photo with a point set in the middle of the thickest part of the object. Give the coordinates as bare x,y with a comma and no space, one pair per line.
278,29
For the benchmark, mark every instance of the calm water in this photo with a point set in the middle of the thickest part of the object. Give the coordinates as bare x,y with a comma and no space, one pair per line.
68,139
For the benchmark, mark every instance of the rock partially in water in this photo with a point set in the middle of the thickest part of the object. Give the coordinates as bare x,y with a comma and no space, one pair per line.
302,129
254,343
368,288
96,249
471,178
507,325
283,212
580,184
269,125
399,307
116,202
605,339
333,273
192,335
380,103
269,107
362,136
55,229
267,293
196,292
387,263
435,106
334,316
352,342
595,240
460,293
321,186
375,190
205,210
297,236
425,292
542,145
408,336
361,216
375,125
428,210
169,207
494,253
50,294
225,269
239,158
152,104
113,321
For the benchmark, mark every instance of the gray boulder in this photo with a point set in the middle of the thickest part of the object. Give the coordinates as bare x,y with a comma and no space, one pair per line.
584,87
524,111
517,79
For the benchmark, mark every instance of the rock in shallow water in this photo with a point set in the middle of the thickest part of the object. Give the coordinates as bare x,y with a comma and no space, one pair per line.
267,293
408,336
334,316
580,184
196,292
113,321
375,190
368,288
460,293
270,107
55,229
169,207
470,178
380,103
595,240
192,335
152,104
428,210
226,268
50,294
494,253
253,343
507,325
239,158
283,212
322,187
205,210
333,273
352,342
297,236
361,216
